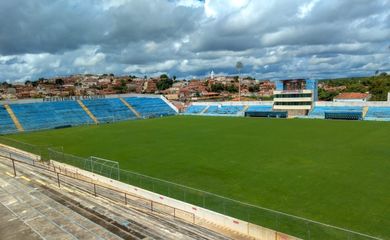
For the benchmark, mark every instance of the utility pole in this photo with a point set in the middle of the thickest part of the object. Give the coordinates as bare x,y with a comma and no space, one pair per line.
239,66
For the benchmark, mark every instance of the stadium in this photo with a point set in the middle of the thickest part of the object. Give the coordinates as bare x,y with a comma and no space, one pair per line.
301,168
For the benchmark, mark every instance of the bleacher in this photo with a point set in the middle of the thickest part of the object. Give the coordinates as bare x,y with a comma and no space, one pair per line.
194,109
339,112
224,110
259,108
227,110
58,114
150,107
45,115
109,109
6,123
378,113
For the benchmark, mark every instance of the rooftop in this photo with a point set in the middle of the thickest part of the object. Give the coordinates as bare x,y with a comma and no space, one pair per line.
352,95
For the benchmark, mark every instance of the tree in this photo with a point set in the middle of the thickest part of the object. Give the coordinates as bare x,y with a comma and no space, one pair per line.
379,88
357,87
325,95
164,76
164,83
59,82
217,87
6,85
174,78
28,82
231,89
254,88
120,89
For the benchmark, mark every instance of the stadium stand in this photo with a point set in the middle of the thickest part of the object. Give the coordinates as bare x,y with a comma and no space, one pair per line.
44,115
109,109
193,109
6,123
339,112
150,107
228,110
259,108
223,110
56,114
90,114
378,113
130,107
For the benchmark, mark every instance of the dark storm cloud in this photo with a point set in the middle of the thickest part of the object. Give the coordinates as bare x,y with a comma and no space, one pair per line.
157,22
57,25
272,38
47,26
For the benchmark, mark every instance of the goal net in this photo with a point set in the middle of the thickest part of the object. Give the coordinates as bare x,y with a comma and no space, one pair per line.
103,167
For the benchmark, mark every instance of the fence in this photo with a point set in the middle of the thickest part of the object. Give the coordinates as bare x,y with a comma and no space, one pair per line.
282,222
61,177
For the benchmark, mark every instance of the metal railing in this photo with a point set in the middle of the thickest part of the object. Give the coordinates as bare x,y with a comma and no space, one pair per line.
276,220
63,177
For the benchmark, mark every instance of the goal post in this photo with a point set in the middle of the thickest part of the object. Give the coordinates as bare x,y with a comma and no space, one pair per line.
105,167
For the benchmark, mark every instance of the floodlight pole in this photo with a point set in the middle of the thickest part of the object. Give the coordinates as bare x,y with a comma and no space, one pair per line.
239,65
239,86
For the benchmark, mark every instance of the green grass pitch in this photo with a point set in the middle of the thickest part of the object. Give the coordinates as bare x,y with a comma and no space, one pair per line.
335,172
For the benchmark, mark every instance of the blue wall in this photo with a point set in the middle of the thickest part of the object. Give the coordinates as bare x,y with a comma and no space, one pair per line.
279,85
312,84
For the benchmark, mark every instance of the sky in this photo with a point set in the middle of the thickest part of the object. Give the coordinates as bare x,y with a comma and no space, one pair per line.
274,39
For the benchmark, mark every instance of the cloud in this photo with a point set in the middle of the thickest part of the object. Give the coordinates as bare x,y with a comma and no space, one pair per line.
90,58
306,8
274,38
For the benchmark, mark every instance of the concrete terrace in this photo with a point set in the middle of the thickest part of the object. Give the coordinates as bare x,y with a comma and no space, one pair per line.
33,207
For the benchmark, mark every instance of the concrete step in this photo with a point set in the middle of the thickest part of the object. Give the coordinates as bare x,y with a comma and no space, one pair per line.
44,216
77,208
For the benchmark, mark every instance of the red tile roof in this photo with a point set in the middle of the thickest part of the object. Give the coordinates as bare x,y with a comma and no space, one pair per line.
352,95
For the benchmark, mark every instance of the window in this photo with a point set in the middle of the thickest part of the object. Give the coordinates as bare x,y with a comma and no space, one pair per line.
293,95
292,103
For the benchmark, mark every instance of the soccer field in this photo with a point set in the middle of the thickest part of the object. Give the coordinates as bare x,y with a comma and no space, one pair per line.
335,172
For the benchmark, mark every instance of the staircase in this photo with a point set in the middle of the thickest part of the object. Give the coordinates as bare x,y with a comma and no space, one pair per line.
130,107
365,110
45,210
205,110
87,111
14,118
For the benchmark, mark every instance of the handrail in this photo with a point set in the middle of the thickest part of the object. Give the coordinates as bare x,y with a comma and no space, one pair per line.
125,193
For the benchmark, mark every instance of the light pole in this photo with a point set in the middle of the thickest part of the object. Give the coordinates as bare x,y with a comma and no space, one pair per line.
239,66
